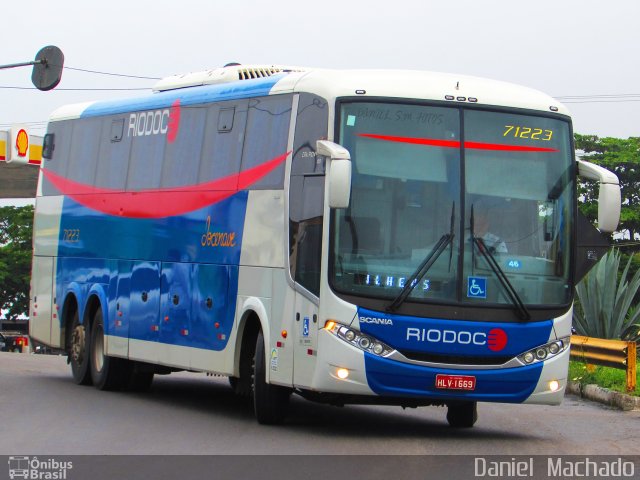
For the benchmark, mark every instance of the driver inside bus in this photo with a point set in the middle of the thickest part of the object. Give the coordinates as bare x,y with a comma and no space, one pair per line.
482,229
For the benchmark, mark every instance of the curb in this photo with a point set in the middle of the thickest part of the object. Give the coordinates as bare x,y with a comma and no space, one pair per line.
605,396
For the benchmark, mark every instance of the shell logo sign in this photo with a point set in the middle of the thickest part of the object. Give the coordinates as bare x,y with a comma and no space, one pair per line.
4,140
18,146
22,143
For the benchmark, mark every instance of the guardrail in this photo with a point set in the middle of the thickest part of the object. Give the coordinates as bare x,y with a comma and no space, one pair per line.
609,353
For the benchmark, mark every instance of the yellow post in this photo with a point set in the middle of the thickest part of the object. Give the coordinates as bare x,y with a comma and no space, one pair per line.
631,366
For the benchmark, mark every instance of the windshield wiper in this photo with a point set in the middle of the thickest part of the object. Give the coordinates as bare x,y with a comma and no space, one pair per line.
420,272
485,251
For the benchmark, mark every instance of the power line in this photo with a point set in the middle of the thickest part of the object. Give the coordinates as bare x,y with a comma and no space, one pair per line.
111,74
601,95
601,101
11,87
95,72
600,98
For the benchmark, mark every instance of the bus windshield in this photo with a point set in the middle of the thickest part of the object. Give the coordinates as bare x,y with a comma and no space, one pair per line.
498,186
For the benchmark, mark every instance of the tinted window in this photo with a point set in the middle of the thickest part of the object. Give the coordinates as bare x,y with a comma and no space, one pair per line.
311,126
182,157
222,150
111,171
306,193
306,204
145,162
267,137
83,154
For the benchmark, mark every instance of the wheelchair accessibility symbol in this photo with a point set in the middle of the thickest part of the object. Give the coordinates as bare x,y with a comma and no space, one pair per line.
305,327
476,287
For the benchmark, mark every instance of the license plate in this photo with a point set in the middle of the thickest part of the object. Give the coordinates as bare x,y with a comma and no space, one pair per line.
456,382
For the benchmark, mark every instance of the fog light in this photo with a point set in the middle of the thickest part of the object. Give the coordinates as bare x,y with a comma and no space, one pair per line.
343,373
554,385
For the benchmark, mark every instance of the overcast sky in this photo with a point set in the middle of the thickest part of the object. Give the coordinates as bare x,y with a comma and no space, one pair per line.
562,47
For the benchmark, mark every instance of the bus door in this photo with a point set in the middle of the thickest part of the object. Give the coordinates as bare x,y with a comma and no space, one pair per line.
306,221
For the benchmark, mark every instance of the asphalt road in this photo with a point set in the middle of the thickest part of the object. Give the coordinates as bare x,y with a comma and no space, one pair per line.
44,412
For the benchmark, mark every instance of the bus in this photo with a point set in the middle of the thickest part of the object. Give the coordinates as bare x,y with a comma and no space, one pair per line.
355,237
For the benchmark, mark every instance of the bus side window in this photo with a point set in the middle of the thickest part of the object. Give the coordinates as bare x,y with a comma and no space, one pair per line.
182,157
267,137
83,151
145,162
306,202
306,193
113,157
222,149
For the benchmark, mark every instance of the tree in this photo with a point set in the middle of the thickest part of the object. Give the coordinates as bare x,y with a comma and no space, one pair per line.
621,156
16,231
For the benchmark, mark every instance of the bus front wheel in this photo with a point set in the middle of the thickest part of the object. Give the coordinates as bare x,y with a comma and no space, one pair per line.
270,401
462,414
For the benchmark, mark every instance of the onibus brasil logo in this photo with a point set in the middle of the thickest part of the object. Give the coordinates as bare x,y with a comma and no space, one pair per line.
38,469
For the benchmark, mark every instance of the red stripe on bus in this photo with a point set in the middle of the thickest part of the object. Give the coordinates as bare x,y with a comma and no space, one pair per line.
162,202
503,147
416,141
434,142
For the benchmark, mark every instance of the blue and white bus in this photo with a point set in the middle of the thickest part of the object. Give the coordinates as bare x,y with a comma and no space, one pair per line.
382,237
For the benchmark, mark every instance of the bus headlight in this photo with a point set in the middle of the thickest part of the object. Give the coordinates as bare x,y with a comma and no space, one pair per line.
544,352
358,339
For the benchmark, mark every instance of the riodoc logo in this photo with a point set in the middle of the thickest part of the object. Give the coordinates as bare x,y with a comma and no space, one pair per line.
495,340
156,122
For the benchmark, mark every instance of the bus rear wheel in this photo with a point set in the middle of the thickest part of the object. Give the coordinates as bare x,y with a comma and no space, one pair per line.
270,401
78,352
107,373
462,414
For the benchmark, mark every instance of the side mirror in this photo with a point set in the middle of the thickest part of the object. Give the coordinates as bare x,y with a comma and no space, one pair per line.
609,197
48,145
339,172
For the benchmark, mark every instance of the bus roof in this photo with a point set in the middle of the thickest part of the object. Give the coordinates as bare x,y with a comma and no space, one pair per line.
210,86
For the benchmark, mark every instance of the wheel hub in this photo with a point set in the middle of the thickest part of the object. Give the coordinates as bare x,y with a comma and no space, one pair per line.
77,344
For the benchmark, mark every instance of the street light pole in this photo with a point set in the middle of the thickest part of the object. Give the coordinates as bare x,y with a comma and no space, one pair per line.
47,67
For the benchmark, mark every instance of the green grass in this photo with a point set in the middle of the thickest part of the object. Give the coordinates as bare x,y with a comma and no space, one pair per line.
611,378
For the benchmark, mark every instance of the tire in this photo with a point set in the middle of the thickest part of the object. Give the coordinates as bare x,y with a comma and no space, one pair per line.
243,384
78,352
270,402
462,414
107,373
